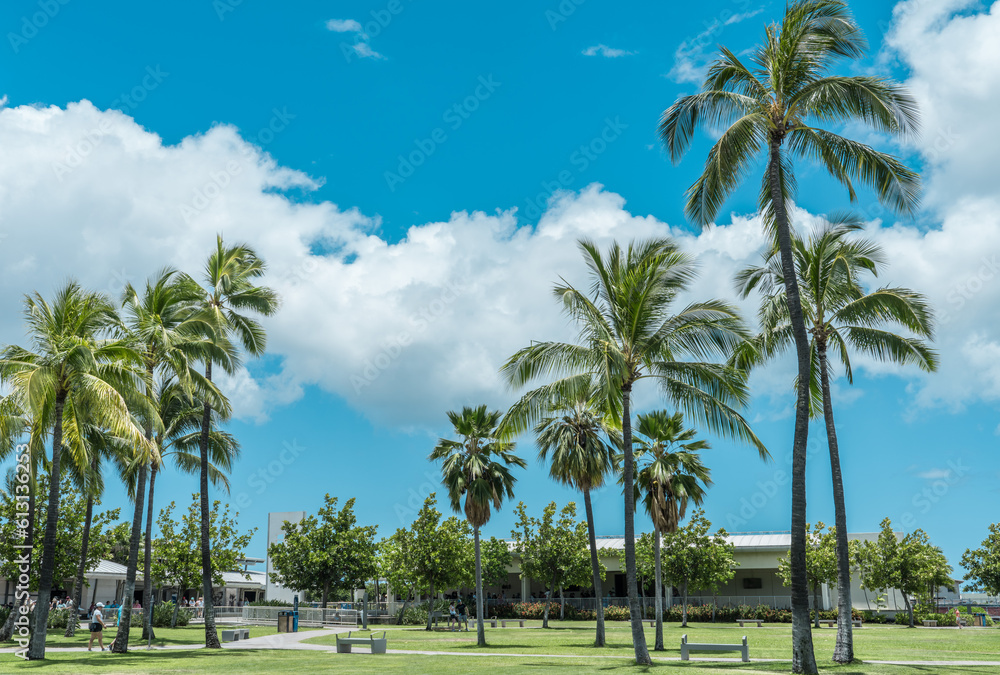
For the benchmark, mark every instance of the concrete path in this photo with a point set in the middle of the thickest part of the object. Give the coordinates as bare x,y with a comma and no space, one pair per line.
288,640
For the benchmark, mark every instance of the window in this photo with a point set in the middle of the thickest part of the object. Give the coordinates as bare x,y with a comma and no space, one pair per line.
753,582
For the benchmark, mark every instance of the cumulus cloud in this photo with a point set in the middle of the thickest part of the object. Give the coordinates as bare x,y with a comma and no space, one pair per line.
606,51
345,26
362,41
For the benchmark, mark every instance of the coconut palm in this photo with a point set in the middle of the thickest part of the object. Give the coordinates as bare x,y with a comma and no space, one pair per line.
162,319
477,468
669,473
628,333
229,294
571,430
840,316
76,363
774,107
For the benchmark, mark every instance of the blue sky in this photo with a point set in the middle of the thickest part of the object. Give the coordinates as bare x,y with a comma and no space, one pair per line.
381,153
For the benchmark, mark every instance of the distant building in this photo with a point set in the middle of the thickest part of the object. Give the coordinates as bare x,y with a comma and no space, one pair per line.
275,591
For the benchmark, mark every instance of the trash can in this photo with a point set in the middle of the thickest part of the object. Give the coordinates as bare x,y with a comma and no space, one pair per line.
285,619
978,620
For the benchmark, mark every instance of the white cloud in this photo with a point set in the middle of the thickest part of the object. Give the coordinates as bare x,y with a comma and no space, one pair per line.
935,474
345,26
362,45
693,54
606,51
402,330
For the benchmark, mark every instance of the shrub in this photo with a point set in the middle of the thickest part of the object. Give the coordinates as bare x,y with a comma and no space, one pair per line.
58,618
616,613
4,613
163,613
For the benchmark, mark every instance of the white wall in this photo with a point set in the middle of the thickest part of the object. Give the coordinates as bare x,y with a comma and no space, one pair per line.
275,591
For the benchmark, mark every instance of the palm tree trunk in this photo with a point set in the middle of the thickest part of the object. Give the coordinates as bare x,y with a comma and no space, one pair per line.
7,632
74,617
659,591
548,601
480,626
595,566
211,635
909,607
120,645
562,603
147,580
843,651
803,656
635,613
36,646
402,612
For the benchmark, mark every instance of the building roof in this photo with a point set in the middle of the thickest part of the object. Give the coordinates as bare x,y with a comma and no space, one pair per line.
106,569
239,580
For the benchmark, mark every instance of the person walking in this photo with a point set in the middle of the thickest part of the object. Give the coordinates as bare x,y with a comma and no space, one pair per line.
463,616
97,627
958,618
453,615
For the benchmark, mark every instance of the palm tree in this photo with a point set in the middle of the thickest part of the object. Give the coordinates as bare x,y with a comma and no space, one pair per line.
628,333
170,334
776,103
230,292
669,473
571,428
840,316
477,468
77,364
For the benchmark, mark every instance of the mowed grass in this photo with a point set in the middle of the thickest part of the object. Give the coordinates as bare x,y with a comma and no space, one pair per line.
306,663
772,641
514,650
187,635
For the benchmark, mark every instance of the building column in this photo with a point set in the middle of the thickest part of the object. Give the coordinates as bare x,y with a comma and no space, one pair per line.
525,588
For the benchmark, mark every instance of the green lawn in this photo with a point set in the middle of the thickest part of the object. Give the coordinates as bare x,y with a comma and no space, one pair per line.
773,641
188,635
573,638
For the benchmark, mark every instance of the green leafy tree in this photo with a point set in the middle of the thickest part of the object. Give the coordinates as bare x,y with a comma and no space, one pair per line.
821,562
177,559
983,564
628,332
669,474
496,561
325,553
553,549
477,468
576,438
694,559
775,107
228,303
908,564
841,316
77,366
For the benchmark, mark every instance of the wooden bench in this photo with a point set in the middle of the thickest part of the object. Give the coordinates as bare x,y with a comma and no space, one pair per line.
930,623
651,622
504,622
688,647
833,622
377,644
759,622
234,634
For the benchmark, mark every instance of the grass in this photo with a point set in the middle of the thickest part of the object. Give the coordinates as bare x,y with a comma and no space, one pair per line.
571,638
773,641
188,635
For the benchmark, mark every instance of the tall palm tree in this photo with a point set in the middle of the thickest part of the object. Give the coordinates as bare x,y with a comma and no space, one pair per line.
77,363
840,316
163,321
773,108
669,473
229,294
571,430
477,468
629,333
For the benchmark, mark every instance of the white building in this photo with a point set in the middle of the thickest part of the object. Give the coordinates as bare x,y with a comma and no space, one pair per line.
275,534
